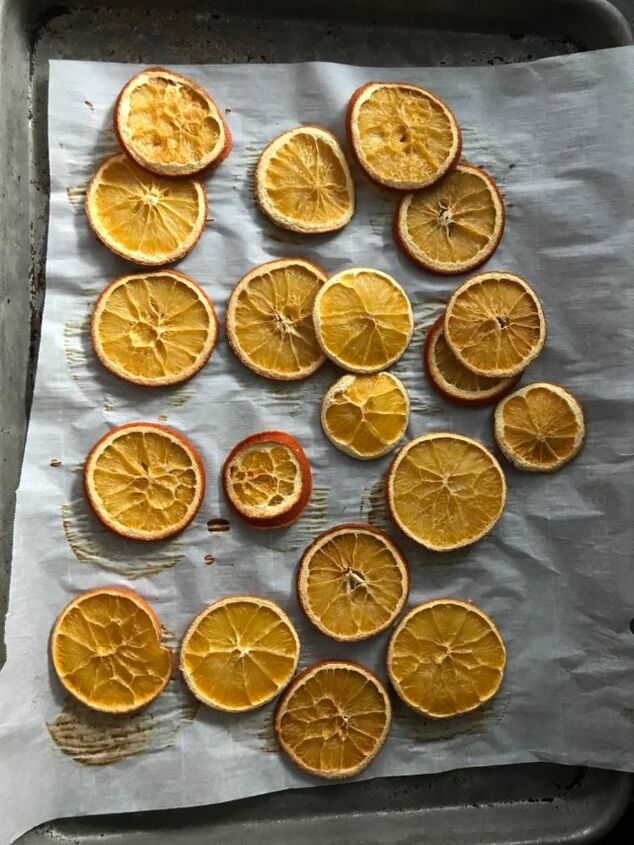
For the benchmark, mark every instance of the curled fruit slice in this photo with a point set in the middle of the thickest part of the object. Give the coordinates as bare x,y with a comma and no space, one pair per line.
333,719
239,653
106,650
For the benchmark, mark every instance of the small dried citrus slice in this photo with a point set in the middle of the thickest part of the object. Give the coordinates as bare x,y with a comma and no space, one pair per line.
333,719
363,320
403,136
365,416
144,481
540,427
145,218
267,479
453,226
106,650
303,182
169,124
445,490
494,324
269,319
239,653
154,328
352,582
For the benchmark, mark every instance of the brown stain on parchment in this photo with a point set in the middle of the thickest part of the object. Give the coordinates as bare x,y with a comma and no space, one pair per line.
209,559
76,196
180,398
55,462
162,417
218,525
373,506
265,734
73,351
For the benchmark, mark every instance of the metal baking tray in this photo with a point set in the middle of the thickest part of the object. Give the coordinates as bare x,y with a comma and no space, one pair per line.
514,804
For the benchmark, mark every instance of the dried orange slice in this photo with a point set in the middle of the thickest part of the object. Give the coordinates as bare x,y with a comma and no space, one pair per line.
155,328
303,182
365,416
106,650
453,226
269,319
403,136
267,479
540,427
333,719
446,657
352,582
169,124
363,320
144,481
142,217
239,653
445,490
494,324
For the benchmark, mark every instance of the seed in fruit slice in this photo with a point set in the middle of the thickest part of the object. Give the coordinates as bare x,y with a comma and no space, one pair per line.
333,719
269,319
169,124
145,218
494,324
267,479
303,182
453,226
446,657
363,320
144,481
352,582
155,328
540,427
445,490
403,136
106,650
365,416
239,653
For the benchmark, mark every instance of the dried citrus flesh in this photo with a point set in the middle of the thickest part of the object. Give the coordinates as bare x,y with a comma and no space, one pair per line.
303,182
540,427
239,653
269,319
143,217
494,324
446,657
365,415
453,226
363,320
155,328
144,481
445,490
403,136
352,582
106,650
333,719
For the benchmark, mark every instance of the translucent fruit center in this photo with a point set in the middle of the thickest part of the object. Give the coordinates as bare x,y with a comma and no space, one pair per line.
540,426
265,477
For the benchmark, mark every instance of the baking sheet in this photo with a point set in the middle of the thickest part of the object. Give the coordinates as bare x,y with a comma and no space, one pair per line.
555,573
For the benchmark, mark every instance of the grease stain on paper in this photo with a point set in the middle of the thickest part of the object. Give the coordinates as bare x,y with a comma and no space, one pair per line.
218,525
373,507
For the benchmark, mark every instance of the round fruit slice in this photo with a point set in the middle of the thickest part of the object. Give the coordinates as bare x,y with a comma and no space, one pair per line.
445,490
494,324
403,136
446,657
540,427
303,182
169,124
106,650
269,319
453,226
144,481
363,320
154,328
352,582
333,719
267,479
239,653
142,217
365,416
452,379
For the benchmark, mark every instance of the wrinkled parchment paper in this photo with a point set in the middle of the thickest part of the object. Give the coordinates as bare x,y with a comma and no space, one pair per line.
555,573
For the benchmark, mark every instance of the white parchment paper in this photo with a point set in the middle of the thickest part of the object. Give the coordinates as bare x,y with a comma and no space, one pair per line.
555,573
